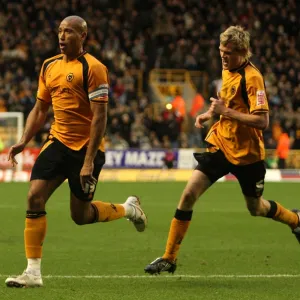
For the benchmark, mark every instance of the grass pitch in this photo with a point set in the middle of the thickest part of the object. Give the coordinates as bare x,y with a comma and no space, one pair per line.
227,254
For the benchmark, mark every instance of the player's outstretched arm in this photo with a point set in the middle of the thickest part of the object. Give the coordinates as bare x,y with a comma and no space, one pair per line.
34,122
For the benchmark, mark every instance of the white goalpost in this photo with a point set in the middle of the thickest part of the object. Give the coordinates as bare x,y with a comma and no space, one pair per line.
11,130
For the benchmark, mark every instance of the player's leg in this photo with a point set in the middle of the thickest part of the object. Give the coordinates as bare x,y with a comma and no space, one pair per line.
45,179
34,233
258,206
251,179
211,167
83,211
86,212
197,185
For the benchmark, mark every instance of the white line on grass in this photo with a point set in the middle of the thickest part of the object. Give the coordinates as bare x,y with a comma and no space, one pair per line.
168,276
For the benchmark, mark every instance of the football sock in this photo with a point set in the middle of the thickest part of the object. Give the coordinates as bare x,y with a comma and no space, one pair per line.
34,266
178,229
34,235
278,213
106,212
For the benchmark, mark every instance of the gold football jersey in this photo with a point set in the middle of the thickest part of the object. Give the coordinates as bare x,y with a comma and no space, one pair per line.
70,87
242,90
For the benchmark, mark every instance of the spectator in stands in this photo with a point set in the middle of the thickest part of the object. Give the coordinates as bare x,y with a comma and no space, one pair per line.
27,101
283,148
296,144
125,123
134,141
3,107
118,142
169,159
115,126
137,127
155,143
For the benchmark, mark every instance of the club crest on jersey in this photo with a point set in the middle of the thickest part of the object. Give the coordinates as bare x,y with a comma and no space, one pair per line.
233,90
70,77
260,97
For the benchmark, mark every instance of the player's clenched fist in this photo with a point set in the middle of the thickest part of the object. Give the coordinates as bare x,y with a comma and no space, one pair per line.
217,105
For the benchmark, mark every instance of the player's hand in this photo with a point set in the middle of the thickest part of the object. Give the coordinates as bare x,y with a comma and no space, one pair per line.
200,119
217,105
88,182
13,151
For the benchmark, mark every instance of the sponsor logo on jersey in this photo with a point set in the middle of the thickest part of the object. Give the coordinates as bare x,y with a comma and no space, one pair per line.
260,98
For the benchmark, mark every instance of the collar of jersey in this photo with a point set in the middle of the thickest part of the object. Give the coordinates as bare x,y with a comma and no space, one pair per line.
81,54
240,67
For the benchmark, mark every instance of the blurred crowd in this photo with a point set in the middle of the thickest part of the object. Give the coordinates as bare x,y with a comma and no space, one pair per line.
132,37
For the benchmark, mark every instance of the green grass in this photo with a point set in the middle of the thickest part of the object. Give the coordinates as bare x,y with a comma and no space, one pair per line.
223,239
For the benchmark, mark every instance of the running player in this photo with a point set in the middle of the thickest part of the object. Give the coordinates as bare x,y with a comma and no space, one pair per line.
235,146
76,85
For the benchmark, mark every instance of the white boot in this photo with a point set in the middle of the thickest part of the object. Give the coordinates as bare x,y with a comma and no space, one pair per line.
25,280
135,214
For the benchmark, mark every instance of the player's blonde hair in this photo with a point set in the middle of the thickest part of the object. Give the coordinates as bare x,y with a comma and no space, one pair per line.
238,37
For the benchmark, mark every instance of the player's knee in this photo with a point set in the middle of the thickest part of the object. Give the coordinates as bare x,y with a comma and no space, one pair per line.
256,211
78,220
36,200
189,196
256,206
253,211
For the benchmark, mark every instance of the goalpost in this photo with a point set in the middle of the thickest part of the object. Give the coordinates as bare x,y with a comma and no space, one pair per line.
11,130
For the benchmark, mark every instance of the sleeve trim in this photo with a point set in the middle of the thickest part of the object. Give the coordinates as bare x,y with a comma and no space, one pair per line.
259,111
40,99
100,101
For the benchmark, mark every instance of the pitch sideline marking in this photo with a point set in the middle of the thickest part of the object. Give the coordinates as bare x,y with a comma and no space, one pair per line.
234,276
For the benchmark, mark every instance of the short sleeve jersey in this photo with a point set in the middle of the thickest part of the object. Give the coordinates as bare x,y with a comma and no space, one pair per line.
242,90
70,87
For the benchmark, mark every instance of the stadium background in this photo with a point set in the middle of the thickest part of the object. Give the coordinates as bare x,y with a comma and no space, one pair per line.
159,53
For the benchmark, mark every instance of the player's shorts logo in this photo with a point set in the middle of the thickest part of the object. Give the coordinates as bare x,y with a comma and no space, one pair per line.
259,187
70,77
233,90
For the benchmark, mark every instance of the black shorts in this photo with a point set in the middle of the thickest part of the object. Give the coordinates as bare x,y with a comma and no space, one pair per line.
215,165
56,159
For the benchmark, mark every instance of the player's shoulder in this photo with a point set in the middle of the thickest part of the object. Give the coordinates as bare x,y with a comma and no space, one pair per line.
53,58
252,71
94,63
47,62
